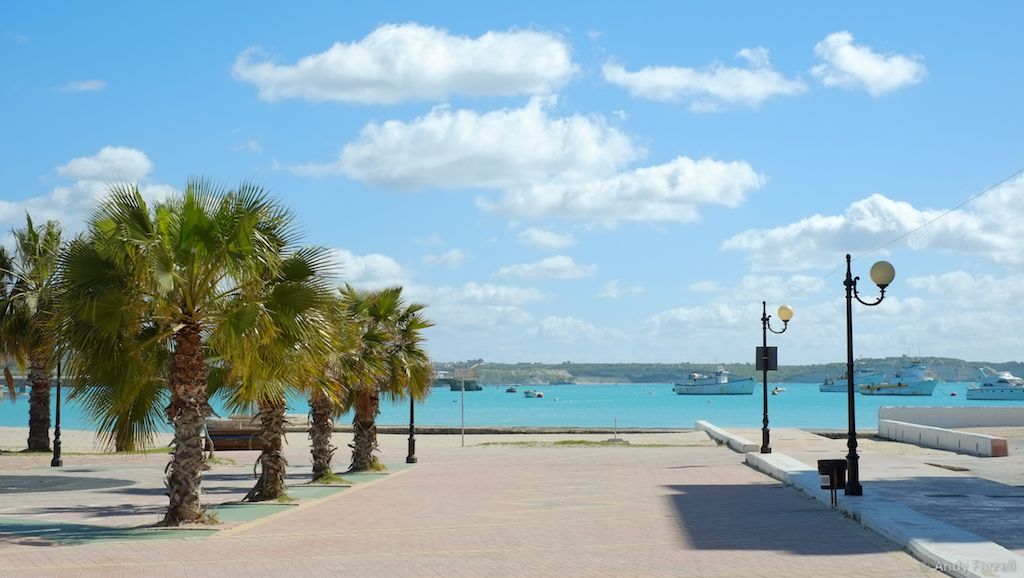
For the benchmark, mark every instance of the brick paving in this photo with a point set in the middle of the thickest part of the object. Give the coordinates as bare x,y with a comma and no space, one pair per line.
687,510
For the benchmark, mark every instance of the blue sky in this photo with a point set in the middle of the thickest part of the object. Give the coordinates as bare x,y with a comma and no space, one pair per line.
615,183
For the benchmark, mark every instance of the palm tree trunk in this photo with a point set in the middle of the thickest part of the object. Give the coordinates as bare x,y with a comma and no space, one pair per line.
320,429
187,413
364,439
39,404
273,465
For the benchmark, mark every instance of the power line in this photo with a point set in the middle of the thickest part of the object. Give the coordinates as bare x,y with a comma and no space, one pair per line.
970,199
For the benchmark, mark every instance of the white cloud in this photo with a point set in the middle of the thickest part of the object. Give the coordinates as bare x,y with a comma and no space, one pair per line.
399,62
91,178
543,239
566,329
713,88
371,271
251,145
704,287
614,290
466,149
476,306
988,227
668,192
84,86
449,259
557,267
852,66
111,164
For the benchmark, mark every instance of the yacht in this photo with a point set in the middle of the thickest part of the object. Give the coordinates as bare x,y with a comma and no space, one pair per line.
915,379
533,393
717,384
997,385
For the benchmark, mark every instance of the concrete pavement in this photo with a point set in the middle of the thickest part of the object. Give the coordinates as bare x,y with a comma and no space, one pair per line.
680,507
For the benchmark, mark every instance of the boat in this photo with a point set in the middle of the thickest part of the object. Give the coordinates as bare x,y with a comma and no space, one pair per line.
533,393
511,389
777,390
915,379
997,385
467,385
717,384
861,376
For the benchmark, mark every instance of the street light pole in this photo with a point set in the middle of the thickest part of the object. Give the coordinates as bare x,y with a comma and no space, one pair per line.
882,274
411,458
785,314
57,461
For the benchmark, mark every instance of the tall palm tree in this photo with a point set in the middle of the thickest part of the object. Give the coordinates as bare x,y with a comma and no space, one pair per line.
25,315
143,293
404,365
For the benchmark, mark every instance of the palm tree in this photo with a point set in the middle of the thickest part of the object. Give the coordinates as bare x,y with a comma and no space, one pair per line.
25,316
275,342
144,291
404,366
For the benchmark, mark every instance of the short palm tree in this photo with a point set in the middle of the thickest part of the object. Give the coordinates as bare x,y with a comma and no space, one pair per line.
274,343
144,291
26,307
394,365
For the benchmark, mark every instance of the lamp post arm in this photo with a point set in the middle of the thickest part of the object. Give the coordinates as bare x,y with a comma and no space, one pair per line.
856,295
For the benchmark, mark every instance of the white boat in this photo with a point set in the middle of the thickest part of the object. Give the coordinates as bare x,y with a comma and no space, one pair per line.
997,385
533,393
915,379
511,389
718,384
861,376
777,390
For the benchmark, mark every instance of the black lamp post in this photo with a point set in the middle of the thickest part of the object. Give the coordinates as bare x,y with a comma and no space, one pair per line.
57,461
882,274
411,458
785,314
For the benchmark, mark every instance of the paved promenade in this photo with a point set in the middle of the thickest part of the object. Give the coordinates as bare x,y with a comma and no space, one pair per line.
685,509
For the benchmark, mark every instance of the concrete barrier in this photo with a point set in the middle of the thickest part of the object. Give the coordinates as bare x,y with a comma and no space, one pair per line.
943,439
735,442
955,417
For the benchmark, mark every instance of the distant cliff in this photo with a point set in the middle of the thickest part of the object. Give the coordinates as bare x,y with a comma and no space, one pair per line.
537,373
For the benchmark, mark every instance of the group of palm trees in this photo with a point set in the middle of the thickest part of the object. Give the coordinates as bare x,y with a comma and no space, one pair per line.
156,308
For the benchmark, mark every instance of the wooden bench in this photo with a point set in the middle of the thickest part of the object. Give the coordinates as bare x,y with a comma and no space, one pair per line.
240,433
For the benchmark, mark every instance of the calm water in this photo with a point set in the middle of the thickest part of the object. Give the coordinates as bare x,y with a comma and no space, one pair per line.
632,405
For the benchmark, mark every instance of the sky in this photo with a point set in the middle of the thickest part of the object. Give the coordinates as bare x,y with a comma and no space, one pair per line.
608,182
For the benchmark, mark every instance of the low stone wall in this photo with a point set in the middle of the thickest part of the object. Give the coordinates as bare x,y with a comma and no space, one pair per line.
955,417
943,439
735,442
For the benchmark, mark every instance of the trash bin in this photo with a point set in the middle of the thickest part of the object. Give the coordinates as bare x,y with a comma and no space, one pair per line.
832,474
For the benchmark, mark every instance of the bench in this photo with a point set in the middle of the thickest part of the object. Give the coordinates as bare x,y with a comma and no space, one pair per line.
240,433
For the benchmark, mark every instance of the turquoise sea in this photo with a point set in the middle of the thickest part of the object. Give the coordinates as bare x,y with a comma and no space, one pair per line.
602,405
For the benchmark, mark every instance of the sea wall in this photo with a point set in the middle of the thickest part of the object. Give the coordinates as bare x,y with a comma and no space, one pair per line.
954,417
943,439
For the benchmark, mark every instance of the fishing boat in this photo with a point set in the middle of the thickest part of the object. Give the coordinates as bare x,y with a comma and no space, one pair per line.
915,379
997,385
861,376
720,383
533,393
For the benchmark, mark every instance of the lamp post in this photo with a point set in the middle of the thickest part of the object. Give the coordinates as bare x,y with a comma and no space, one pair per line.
882,274
411,458
785,314
57,461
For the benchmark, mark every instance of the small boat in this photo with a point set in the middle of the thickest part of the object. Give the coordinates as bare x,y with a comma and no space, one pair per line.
861,376
511,389
997,385
533,393
777,390
915,379
718,384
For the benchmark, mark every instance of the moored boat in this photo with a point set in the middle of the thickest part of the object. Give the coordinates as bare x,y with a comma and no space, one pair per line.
511,389
718,384
861,376
997,385
915,379
533,393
